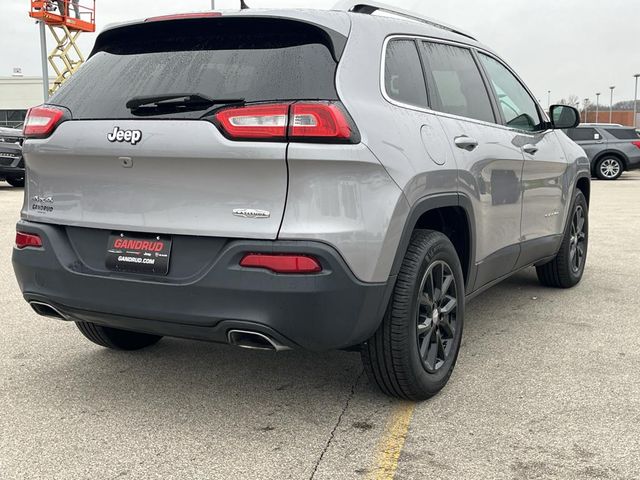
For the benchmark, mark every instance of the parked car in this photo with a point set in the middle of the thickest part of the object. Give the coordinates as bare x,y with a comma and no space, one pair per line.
322,180
11,162
612,149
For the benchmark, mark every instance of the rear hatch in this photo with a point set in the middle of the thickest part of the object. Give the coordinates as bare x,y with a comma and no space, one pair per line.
139,145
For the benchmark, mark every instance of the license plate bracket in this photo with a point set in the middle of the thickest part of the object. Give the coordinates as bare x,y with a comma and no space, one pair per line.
138,253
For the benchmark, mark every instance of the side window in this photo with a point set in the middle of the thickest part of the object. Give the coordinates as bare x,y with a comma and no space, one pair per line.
403,76
624,133
456,86
519,109
583,134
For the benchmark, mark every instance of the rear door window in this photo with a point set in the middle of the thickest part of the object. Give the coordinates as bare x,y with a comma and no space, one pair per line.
518,108
624,133
456,85
583,134
251,59
403,74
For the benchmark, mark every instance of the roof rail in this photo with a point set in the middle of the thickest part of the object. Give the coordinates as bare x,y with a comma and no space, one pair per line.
370,7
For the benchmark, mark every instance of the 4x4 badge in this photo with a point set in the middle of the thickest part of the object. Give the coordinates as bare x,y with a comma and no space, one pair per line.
129,136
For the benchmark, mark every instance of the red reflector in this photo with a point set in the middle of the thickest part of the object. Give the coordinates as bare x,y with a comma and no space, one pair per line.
180,16
637,144
318,120
41,121
253,122
282,263
24,240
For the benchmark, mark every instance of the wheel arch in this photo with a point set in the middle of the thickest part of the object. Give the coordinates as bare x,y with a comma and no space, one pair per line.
450,214
583,183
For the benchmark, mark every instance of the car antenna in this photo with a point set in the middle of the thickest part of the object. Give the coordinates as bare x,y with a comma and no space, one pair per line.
243,6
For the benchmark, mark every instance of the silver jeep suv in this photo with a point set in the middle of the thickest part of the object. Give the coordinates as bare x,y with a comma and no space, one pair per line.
342,179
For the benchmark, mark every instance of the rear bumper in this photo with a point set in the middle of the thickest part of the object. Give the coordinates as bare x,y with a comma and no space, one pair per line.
206,293
633,163
11,171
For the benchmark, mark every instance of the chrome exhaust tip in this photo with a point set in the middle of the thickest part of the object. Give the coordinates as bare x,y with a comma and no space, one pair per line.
254,341
46,310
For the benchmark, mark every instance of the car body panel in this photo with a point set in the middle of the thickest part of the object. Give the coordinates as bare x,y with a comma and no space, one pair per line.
546,184
344,197
11,160
183,178
491,176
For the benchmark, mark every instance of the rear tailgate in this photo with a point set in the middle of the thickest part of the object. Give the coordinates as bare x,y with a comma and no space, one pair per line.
175,172
183,177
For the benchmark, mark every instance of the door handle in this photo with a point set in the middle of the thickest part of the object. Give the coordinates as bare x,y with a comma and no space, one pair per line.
530,149
466,143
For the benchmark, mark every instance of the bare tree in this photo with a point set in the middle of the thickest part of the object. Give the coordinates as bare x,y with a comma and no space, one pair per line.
571,100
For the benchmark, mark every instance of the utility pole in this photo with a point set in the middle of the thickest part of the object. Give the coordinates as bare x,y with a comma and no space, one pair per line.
549,100
213,4
598,105
586,110
45,62
635,103
612,88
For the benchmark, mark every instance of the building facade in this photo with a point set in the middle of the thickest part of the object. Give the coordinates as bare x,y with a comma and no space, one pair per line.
17,95
619,116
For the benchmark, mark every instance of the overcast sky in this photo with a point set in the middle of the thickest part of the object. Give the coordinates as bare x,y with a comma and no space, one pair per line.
567,46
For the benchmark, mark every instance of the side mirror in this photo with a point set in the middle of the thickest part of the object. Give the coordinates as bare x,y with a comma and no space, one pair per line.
564,116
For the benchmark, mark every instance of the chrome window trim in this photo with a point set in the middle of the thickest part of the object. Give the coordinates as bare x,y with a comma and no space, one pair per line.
387,97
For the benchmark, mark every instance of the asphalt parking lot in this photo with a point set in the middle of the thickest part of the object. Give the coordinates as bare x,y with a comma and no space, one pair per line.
547,386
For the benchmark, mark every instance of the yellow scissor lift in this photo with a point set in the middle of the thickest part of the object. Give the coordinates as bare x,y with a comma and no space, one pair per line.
66,20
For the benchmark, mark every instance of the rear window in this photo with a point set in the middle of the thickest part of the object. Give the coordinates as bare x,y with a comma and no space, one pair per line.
231,58
582,134
624,133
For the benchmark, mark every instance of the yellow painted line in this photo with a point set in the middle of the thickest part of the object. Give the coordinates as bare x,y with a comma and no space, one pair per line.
392,442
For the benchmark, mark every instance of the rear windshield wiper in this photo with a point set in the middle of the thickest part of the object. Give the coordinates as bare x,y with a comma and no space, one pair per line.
176,102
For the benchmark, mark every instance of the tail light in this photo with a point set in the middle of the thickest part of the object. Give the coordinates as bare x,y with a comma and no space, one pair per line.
42,121
317,121
292,264
637,144
265,122
320,122
24,240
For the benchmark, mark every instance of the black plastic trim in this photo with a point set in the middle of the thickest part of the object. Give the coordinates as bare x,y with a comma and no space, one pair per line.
497,265
324,311
434,202
537,249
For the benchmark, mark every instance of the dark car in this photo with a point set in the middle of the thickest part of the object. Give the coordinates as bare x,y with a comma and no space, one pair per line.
612,149
11,161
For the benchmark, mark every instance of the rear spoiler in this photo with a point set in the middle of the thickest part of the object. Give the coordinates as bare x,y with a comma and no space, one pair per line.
334,25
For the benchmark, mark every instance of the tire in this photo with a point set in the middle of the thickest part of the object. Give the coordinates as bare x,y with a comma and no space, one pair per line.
567,268
15,181
392,357
116,339
609,168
